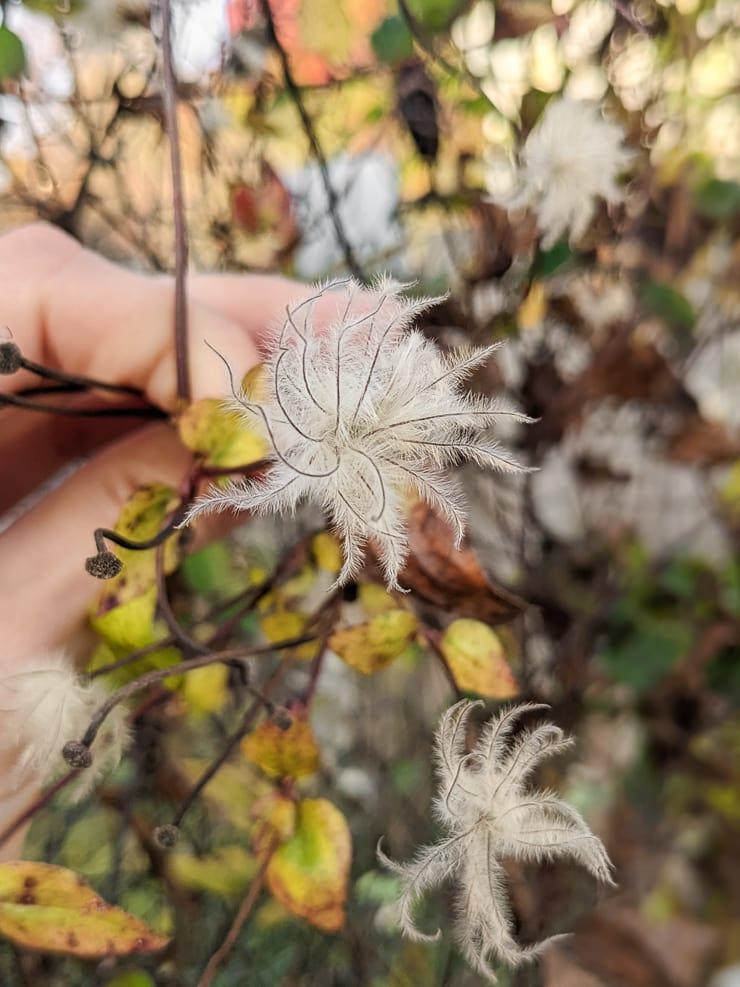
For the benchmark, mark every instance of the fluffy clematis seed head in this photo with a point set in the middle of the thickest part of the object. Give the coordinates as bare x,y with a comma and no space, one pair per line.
47,705
360,412
572,157
490,812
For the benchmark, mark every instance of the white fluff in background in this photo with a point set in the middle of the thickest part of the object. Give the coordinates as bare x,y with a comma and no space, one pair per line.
572,157
360,412
46,704
490,813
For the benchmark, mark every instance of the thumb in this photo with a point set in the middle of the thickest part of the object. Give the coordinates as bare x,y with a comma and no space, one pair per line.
44,588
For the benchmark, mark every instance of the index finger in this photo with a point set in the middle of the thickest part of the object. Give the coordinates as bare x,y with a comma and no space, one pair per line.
71,309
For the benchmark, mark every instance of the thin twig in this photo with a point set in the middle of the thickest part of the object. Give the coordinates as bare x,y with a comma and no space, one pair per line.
146,411
247,720
240,918
79,381
43,800
178,206
201,661
316,149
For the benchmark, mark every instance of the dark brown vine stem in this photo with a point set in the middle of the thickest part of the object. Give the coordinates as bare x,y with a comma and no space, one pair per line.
41,802
330,617
145,411
178,205
316,149
102,535
250,715
240,918
201,661
79,381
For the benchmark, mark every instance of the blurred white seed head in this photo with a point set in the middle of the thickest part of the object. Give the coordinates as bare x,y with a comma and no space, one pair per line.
45,705
572,157
490,813
360,412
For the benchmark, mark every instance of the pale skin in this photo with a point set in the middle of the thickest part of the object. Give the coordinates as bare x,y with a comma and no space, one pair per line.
72,310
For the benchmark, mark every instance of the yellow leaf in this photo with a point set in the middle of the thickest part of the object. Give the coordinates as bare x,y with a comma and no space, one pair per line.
375,599
532,310
308,874
227,871
275,815
220,435
285,624
205,689
372,645
291,753
107,654
326,29
730,490
123,613
477,661
232,792
328,552
129,624
51,909
254,383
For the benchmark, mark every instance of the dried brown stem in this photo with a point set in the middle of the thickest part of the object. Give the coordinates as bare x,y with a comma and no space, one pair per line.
170,99
159,674
43,800
240,918
247,721
316,149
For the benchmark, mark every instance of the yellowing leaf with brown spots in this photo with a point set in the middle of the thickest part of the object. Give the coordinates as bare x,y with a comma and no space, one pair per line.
291,753
308,874
123,612
476,658
372,645
220,435
50,909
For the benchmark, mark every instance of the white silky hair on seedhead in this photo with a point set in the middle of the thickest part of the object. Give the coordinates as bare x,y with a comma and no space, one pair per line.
358,413
44,705
485,805
572,157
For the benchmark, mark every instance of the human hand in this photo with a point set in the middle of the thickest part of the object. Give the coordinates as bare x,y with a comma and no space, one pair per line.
74,311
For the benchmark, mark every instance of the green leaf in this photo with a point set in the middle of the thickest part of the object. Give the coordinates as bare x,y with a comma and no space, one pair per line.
392,41
51,909
649,652
669,304
132,978
435,15
12,55
717,199
211,572
548,261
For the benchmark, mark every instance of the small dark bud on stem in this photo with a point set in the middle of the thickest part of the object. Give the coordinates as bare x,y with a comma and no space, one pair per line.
10,357
77,754
104,565
282,718
167,835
